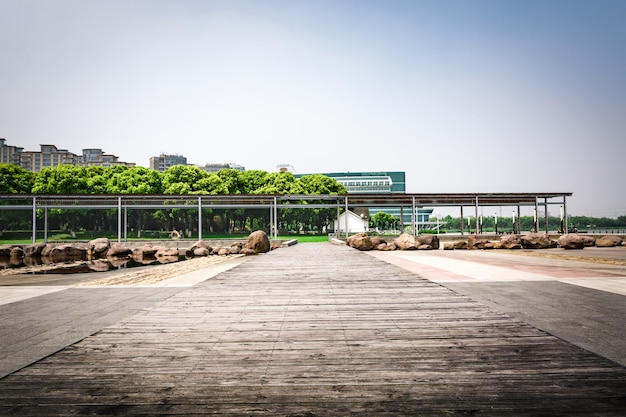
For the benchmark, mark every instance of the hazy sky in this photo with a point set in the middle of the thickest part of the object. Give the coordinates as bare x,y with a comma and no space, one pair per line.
462,95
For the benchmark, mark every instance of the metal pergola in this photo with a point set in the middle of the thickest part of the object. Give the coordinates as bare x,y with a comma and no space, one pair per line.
273,203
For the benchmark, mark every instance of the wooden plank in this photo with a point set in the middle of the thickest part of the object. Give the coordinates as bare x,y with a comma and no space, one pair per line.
317,330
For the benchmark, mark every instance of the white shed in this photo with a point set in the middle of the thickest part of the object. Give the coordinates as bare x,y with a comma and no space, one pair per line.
356,223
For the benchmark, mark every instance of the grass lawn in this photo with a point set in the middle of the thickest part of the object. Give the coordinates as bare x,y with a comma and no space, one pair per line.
66,238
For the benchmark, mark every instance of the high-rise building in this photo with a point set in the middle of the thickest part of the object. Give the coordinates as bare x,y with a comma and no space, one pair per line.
381,182
96,157
162,162
218,167
49,156
9,154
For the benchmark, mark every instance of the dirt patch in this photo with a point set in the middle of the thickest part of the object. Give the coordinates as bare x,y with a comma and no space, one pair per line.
157,273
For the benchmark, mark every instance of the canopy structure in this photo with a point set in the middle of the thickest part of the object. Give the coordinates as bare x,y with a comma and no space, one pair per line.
273,203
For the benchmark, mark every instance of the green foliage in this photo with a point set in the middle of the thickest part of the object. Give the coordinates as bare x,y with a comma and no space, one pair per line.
280,183
321,184
384,220
252,181
62,179
185,179
15,179
179,179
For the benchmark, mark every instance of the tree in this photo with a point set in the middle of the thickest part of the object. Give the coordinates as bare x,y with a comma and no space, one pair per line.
232,180
184,179
321,184
136,180
15,179
252,180
384,220
62,179
280,183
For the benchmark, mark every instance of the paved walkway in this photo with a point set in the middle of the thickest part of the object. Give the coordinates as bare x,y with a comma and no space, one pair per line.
310,330
42,314
579,296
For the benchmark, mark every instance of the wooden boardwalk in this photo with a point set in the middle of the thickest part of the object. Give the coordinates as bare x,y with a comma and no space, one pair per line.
318,330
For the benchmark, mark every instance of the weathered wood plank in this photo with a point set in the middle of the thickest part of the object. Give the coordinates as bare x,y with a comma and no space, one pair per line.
318,330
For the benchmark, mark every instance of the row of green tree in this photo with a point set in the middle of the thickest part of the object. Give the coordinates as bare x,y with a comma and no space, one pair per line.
177,180
385,221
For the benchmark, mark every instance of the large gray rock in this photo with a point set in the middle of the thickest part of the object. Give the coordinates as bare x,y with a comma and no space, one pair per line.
537,241
258,242
17,252
406,241
5,250
145,253
66,252
118,250
98,248
571,241
511,242
428,240
609,241
201,244
360,241
589,240
377,240
34,249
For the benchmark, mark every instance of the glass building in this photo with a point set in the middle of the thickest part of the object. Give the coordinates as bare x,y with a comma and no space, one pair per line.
381,182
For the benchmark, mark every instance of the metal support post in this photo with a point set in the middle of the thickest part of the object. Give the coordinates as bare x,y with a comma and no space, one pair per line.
476,215
275,218
461,222
119,219
34,219
199,218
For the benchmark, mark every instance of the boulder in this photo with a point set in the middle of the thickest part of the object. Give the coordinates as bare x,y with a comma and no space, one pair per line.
377,240
247,251
406,241
384,247
67,252
537,241
17,252
448,246
571,241
511,242
609,241
589,240
234,250
258,242
223,251
497,245
199,251
163,252
167,255
360,241
428,239
201,244
145,252
5,250
118,250
98,248
461,244
474,242
99,265
34,249
45,252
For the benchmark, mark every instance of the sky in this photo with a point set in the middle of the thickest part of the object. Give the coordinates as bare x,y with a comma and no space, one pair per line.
463,95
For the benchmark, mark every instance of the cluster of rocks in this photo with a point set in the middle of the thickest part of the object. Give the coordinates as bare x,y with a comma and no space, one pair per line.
119,253
364,242
406,241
